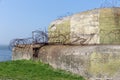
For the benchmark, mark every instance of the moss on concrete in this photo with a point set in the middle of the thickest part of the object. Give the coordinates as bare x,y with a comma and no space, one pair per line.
61,33
103,63
109,25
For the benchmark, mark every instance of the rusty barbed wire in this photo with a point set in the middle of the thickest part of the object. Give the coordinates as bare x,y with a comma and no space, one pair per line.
17,43
65,15
38,37
41,37
109,3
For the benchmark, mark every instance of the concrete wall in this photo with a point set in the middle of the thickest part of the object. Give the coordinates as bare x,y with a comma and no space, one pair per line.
97,26
109,25
24,52
95,62
83,25
59,31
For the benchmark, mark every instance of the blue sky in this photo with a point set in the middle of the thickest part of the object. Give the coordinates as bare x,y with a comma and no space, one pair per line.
18,18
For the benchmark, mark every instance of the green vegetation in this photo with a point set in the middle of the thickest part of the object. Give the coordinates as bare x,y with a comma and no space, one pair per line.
31,70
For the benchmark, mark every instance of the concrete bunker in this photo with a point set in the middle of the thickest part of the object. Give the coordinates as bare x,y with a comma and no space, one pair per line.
90,47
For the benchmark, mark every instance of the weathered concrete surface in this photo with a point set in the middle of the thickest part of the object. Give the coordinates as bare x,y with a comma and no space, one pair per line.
24,52
94,62
85,23
97,26
58,28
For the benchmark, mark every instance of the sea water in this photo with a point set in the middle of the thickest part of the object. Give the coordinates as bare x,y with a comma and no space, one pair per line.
5,53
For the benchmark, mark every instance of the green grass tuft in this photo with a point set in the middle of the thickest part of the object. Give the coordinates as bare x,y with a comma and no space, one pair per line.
31,70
